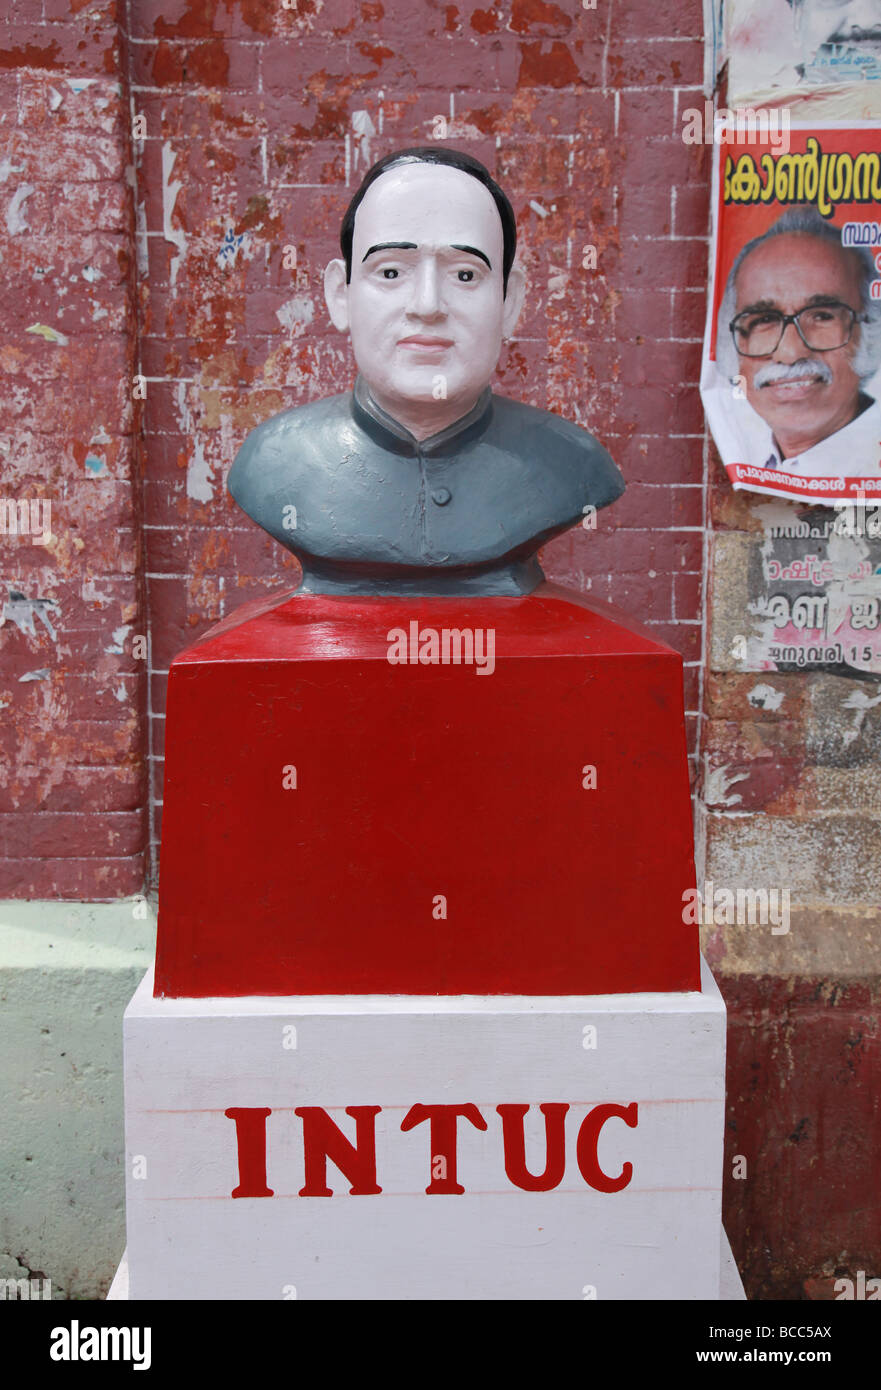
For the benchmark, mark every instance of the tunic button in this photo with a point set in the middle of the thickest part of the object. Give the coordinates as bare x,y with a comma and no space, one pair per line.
441,496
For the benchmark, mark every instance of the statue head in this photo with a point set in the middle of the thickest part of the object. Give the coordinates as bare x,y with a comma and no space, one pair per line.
427,285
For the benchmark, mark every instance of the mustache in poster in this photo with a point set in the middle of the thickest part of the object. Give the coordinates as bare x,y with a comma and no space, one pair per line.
806,369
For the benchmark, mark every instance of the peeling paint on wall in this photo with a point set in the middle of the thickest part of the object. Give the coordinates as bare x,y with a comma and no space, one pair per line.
860,701
7,167
717,785
52,335
119,636
229,248
199,468
363,131
170,191
16,216
22,611
296,314
765,697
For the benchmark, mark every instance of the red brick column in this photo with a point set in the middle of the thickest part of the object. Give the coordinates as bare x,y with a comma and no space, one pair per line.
72,735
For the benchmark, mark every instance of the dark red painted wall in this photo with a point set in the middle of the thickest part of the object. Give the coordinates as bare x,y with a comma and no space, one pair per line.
72,773
575,115
254,107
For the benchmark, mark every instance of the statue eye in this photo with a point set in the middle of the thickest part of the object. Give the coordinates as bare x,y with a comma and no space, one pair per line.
466,275
389,273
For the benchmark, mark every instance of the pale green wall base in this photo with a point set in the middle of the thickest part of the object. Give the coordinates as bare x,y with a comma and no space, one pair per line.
67,972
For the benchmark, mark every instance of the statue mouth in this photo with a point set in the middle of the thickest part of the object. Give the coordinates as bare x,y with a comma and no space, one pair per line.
421,342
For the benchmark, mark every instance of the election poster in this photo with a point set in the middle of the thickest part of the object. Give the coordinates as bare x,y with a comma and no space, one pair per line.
813,592
792,354
804,49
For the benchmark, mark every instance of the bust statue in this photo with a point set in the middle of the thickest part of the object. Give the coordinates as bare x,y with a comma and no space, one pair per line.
422,480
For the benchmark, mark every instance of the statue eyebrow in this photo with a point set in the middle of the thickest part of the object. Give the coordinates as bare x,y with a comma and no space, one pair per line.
473,251
389,246
411,246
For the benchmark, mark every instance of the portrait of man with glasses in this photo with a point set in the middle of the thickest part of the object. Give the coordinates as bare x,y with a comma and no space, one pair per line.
799,331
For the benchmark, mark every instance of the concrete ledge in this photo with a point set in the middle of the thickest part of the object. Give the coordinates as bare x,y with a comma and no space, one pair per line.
67,972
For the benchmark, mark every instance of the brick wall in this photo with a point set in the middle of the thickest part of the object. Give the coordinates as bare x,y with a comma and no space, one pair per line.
72,769
791,789
258,119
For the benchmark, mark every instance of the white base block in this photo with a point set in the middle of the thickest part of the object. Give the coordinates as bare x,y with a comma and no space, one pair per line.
188,1061
731,1288
118,1290
730,1283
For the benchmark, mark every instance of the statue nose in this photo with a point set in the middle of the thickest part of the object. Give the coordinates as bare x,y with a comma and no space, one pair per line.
426,301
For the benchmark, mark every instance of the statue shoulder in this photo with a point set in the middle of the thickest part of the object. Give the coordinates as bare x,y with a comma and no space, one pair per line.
295,440
567,451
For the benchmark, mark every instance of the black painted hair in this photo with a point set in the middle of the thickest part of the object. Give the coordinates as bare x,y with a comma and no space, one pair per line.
454,159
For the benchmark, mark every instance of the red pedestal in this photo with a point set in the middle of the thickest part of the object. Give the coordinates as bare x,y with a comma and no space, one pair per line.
334,823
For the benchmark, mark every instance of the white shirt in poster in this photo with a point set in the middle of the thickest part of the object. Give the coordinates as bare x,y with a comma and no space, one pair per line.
851,452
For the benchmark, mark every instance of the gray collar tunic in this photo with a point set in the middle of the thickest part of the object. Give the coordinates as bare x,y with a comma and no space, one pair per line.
369,509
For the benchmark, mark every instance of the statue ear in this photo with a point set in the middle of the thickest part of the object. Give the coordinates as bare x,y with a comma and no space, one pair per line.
514,297
336,295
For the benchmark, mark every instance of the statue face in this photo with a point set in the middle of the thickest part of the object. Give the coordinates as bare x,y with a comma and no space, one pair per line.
425,306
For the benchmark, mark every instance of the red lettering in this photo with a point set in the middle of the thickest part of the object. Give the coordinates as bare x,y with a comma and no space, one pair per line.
251,1145
323,1140
514,1140
443,1138
588,1139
